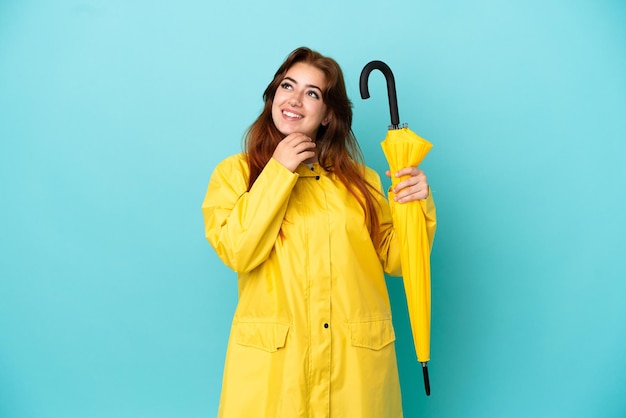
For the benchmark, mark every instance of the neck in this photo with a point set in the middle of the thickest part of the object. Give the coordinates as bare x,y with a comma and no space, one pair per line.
310,161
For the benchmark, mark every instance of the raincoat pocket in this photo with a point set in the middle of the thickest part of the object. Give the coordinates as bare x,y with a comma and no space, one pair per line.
267,336
372,334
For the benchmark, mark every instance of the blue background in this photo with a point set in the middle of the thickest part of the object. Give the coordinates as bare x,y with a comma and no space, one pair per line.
114,113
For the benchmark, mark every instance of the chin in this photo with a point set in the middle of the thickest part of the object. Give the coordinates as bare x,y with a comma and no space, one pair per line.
284,132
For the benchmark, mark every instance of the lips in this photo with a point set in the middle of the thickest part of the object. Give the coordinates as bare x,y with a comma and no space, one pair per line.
292,115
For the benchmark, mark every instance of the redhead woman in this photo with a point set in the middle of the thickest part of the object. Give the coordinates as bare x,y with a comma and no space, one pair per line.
306,226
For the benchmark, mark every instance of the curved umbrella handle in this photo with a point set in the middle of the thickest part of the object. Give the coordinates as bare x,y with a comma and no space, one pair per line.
391,87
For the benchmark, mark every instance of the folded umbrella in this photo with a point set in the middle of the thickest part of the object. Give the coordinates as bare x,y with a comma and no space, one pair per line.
404,148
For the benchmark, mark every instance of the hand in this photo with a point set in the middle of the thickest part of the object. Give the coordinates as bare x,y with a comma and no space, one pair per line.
413,188
294,149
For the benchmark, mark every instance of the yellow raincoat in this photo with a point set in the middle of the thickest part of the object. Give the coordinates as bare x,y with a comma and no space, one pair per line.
312,334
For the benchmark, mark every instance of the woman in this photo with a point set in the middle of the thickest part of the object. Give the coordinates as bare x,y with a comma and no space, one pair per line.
305,225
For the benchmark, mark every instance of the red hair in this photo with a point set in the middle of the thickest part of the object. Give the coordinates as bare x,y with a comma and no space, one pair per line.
337,147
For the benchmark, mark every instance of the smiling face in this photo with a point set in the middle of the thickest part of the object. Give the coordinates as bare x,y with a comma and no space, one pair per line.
298,104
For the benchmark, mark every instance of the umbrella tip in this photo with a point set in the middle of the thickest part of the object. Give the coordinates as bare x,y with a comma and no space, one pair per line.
426,378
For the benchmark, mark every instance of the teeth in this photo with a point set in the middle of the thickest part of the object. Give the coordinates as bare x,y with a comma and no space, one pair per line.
292,115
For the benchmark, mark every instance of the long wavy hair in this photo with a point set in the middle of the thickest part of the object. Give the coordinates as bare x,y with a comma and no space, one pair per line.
337,147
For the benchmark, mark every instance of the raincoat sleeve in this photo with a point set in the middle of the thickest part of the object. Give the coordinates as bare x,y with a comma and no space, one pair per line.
243,226
427,207
430,216
389,248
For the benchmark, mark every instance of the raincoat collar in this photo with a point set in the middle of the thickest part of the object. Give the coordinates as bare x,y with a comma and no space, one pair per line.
316,169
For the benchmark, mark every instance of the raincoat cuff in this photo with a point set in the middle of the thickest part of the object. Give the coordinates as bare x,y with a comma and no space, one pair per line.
277,179
277,169
428,204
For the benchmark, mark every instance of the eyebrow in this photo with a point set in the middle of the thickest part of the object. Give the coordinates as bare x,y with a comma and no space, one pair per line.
308,85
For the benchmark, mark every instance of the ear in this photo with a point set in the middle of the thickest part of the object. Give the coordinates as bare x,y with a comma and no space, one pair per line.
327,119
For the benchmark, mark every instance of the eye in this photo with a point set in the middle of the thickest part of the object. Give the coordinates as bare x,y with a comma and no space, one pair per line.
313,94
285,85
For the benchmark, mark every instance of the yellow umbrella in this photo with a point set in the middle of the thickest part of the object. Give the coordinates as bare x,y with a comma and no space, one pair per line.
404,148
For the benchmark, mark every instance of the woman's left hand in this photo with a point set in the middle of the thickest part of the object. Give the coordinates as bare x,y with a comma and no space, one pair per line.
412,188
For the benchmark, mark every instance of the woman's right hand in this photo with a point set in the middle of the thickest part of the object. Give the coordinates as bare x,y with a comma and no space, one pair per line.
294,149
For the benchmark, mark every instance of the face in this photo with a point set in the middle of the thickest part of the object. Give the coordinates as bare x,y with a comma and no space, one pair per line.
298,103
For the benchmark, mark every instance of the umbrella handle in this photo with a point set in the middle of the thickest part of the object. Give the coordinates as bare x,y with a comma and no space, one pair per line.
391,87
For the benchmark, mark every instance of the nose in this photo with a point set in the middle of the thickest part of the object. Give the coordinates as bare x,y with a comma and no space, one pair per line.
295,99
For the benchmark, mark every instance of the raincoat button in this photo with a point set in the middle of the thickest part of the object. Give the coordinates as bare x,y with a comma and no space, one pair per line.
317,177
326,325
